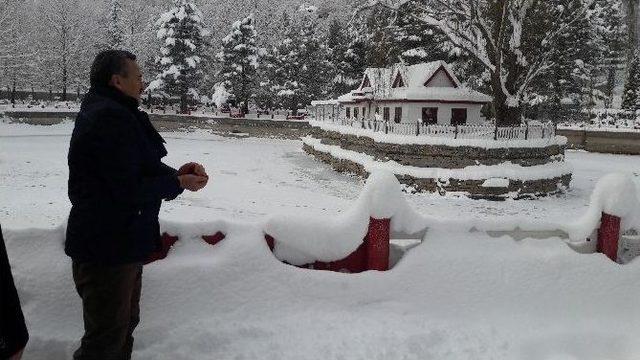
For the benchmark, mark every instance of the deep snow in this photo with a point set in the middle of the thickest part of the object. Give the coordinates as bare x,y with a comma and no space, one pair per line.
457,295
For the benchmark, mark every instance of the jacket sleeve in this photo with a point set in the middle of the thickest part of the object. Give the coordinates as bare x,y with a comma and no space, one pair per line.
168,170
120,165
13,331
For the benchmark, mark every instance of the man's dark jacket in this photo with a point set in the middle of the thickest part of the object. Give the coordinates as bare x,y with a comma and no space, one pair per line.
13,332
116,181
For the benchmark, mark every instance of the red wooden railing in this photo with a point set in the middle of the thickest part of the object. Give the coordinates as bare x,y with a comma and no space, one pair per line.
372,254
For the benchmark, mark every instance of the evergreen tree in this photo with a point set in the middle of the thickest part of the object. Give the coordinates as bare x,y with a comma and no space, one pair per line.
314,77
266,75
116,38
337,45
412,40
287,62
183,44
239,57
630,97
610,27
355,58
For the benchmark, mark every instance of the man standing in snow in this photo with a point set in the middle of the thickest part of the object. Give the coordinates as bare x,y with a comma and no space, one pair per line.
116,185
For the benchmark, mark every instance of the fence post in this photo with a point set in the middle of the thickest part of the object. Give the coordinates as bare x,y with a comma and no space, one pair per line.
455,136
377,244
608,235
526,132
386,127
495,133
417,127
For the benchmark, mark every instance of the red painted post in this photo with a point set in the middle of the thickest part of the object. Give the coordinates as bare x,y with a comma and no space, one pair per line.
213,239
377,244
608,235
166,242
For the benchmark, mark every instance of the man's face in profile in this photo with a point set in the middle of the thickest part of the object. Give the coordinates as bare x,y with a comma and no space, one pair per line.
130,83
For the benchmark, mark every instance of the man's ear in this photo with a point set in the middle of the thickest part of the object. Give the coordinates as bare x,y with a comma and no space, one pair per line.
115,81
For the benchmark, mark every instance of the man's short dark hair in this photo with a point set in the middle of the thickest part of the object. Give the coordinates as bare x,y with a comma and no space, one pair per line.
108,63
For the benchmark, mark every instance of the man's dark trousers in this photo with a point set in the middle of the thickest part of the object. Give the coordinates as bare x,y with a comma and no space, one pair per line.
111,309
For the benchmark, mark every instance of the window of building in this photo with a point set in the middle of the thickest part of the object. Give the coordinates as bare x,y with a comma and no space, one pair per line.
458,116
397,115
355,112
429,115
348,112
385,114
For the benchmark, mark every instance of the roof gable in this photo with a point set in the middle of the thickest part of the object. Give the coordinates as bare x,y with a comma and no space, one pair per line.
398,82
441,78
365,82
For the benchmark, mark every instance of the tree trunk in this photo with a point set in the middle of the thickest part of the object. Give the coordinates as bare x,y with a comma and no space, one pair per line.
505,115
632,27
13,93
183,103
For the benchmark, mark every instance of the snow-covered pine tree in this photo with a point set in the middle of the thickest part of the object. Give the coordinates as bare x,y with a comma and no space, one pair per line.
115,36
183,39
337,44
314,77
239,58
287,59
568,85
413,40
266,75
610,27
355,57
631,95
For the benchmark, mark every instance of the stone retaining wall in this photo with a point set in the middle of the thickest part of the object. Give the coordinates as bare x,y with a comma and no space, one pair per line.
166,122
440,156
517,189
609,142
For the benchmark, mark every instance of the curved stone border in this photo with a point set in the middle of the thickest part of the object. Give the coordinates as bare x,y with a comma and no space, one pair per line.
441,156
555,176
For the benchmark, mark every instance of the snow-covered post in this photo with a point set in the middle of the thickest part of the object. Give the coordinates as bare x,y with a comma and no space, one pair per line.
608,236
614,208
377,244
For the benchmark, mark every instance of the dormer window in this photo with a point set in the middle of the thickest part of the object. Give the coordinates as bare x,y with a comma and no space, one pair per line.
398,82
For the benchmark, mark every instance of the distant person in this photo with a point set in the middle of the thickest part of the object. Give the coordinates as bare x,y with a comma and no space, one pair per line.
13,331
116,185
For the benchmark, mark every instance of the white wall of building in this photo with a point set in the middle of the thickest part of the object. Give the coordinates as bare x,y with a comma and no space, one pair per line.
412,112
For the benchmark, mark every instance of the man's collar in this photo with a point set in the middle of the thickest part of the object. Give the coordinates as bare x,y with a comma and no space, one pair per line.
117,95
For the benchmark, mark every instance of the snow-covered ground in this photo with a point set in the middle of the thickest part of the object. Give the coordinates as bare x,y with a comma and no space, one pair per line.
458,295
252,178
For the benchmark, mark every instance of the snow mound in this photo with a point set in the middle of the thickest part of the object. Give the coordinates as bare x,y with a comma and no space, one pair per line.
302,240
615,194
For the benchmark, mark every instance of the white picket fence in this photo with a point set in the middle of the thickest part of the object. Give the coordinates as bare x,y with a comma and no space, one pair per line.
488,132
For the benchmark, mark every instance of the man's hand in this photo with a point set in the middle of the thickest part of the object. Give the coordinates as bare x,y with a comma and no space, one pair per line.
192,176
192,168
192,182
